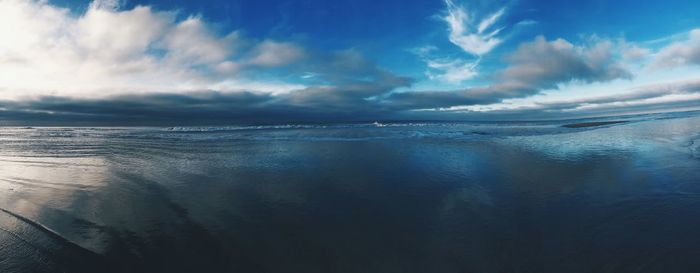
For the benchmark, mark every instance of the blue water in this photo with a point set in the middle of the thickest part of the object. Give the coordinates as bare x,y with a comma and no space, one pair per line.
361,197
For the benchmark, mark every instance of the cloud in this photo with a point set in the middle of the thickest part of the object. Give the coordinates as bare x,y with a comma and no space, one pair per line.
402,101
533,67
344,86
191,42
327,104
109,51
544,64
112,5
446,69
476,39
646,98
275,54
323,103
141,65
452,71
347,82
648,93
632,53
527,22
681,53
141,108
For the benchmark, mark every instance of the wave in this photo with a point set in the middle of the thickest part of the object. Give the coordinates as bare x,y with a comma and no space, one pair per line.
83,137
239,128
376,124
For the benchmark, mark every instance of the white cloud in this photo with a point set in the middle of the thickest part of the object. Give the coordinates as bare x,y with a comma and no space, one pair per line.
658,95
634,53
47,50
116,36
272,87
474,38
681,53
190,41
270,54
112,5
527,23
452,71
489,21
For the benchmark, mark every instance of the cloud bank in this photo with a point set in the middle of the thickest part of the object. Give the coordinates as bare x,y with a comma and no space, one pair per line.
62,67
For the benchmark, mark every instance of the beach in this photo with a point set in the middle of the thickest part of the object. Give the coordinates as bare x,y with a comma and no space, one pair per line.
361,197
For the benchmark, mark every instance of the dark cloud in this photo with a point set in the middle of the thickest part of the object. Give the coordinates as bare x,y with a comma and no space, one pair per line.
199,106
316,105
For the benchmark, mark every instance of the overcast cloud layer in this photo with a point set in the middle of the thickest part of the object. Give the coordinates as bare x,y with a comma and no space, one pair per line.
142,65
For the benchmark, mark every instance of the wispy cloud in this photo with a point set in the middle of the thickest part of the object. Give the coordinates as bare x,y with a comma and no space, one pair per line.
452,70
474,36
446,69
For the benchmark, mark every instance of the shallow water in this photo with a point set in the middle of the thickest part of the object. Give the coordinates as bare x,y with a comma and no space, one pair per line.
393,197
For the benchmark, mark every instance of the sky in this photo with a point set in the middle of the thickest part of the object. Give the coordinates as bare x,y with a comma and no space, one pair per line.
278,61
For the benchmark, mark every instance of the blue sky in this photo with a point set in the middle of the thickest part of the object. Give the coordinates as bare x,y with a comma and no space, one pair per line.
279,61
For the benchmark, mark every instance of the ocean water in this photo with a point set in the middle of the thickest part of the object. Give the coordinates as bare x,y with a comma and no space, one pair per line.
366,197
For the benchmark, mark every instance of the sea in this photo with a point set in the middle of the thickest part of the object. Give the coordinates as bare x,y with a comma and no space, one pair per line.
431,197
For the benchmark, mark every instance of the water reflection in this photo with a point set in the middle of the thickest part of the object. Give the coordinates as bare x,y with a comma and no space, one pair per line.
622,198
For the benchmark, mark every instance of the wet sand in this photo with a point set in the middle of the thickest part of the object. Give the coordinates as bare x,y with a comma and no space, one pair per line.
398,198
